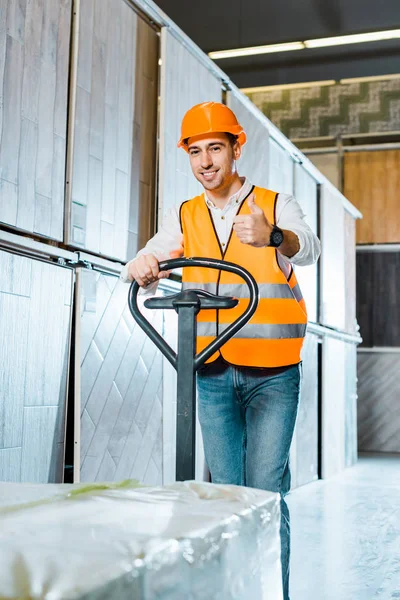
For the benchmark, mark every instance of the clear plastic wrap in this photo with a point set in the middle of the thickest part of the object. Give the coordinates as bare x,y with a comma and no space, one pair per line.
186,541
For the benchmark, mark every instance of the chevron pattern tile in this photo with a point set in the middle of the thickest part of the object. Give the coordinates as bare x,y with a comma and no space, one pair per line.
121,386
379,401
365,107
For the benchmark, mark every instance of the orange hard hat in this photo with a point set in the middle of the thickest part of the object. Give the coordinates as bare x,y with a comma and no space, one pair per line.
210,117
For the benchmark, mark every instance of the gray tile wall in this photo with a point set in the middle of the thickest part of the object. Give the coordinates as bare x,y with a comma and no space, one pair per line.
304,451
113,170
34,63
281,169
332,261
184,83
35,304
254,162
305,192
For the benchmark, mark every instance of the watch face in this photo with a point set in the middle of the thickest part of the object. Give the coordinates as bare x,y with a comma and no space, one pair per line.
276,238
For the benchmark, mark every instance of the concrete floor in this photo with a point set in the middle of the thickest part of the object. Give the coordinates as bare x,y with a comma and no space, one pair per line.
346,534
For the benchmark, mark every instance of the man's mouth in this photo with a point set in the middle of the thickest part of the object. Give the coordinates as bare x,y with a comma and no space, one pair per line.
209,174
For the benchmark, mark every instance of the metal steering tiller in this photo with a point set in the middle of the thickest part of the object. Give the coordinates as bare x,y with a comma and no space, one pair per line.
187,304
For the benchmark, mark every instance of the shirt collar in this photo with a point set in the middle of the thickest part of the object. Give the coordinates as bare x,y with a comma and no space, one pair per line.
235,198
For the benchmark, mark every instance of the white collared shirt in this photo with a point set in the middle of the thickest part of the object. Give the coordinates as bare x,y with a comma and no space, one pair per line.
289,215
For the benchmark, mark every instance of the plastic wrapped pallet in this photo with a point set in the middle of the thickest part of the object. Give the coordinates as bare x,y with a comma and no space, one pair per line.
186,541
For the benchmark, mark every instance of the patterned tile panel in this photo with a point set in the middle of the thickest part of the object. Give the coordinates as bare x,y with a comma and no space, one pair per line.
362,107
379,401
121,376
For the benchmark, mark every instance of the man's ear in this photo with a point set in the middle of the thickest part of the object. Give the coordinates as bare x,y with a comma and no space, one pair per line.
237,151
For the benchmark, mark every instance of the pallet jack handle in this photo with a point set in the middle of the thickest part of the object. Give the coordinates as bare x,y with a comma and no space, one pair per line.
187,304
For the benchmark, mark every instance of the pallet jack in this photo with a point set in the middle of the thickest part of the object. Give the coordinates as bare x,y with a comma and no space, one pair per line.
187,304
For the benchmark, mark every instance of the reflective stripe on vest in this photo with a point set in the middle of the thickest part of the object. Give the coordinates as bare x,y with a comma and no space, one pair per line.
255,330
240,290
276,331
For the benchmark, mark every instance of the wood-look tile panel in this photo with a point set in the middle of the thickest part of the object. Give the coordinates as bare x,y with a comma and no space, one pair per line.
108,199
371,183
3,40
110,162
93,204
62,68
39,449
44,160
81,147
86,24
34,354
16,12
10,464
15,274
128,66
11,131
96,141
27,175
8,202
58,187
34,69
32,60
50,32
13,353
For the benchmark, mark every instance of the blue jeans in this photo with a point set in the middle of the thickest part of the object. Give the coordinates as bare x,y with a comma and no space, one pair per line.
247,418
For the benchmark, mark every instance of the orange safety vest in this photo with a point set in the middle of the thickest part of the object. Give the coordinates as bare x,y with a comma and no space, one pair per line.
274,335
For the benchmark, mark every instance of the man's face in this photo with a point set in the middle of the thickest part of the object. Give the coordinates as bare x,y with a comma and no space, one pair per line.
212,159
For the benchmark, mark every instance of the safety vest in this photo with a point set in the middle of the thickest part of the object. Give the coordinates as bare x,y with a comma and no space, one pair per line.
274,335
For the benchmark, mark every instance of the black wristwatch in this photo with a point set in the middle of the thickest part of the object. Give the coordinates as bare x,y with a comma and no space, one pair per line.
276,237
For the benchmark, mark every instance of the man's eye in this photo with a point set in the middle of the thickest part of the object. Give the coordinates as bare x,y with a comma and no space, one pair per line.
216,148
194,152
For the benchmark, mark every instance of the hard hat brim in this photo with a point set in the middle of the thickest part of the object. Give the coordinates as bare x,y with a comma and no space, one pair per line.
238,131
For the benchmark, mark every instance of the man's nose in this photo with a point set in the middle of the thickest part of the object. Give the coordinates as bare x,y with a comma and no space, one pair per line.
206,160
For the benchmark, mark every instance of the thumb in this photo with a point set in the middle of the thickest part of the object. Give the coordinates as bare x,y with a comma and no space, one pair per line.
254,209
176,253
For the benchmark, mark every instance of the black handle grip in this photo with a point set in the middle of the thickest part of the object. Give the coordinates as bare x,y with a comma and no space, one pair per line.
204,300
219,341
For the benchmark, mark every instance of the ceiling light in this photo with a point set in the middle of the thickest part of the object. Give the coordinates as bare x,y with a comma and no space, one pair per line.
256,50
358,38
341,40
369,79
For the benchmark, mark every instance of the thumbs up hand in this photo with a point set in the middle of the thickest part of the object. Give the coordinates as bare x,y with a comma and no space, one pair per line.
253,229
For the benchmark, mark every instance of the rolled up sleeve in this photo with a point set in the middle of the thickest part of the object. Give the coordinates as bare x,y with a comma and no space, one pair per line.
290,216
168,238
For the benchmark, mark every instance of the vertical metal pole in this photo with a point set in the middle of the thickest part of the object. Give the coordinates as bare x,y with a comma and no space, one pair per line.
186,394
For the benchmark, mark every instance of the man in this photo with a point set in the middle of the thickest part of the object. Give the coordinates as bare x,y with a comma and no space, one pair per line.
248,393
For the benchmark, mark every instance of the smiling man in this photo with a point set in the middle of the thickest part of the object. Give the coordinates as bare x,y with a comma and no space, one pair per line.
248,395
